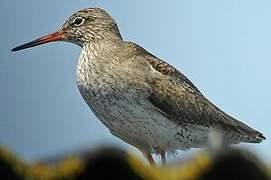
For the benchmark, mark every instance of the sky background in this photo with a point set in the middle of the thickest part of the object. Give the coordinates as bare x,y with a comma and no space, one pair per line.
222,46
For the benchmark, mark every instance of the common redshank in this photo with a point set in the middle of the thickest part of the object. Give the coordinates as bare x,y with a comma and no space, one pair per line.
140,98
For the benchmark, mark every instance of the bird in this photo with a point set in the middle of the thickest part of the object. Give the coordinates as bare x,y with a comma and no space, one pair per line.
140,98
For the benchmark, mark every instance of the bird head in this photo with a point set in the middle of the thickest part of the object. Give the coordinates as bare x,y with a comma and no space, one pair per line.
89,25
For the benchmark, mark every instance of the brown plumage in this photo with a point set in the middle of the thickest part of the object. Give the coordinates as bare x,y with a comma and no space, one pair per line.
140,98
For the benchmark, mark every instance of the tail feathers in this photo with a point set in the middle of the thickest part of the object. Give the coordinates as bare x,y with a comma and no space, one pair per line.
251,135
247,133
256,139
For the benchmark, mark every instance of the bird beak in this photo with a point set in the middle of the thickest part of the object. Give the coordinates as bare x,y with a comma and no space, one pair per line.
59,35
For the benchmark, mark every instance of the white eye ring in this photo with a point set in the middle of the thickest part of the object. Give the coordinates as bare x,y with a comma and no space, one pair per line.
78,21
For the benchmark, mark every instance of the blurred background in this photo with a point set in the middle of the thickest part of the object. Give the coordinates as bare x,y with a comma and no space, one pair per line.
222,46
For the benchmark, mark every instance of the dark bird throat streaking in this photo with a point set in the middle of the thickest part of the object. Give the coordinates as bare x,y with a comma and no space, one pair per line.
140,98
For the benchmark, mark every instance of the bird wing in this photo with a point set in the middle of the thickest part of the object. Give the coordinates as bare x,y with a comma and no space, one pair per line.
180,100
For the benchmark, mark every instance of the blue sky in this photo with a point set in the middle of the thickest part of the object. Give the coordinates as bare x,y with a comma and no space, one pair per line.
222,46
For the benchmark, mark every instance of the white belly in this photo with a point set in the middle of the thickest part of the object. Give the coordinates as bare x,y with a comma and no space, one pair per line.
139,123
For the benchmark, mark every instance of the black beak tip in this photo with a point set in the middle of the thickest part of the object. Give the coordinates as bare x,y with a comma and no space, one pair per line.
17,48
24,46
14,49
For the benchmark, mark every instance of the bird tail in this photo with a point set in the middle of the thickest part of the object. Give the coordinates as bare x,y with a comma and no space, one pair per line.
249,134
255,139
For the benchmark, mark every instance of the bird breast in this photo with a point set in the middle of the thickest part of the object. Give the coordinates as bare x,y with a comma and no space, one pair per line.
107,73
104,79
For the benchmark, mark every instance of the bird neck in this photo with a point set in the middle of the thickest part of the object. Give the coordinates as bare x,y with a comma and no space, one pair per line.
95,58
102,38
96,50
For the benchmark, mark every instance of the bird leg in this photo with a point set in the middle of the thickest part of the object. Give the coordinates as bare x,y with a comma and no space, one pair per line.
147,155
163,157
150,159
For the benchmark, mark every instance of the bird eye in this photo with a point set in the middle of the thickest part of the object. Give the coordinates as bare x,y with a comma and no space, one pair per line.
78,21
